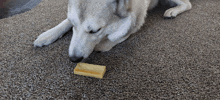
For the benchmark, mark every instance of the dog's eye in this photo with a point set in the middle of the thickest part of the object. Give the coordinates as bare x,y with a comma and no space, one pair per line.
92,31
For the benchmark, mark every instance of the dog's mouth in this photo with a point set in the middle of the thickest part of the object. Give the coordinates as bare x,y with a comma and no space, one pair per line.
84,60
76,59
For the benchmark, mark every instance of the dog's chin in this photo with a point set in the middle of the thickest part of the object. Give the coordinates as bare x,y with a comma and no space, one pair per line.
85,60
89,59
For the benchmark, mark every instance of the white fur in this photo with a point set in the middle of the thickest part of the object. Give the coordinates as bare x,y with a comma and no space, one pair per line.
182,5
116,21
53,34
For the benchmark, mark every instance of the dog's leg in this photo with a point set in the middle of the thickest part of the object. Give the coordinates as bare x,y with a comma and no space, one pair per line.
53,34
182,5
106,44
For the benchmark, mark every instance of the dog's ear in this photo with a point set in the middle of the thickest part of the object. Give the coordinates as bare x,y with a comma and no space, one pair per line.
122,27
123,7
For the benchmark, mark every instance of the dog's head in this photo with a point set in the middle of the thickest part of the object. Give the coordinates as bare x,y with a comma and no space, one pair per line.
93,21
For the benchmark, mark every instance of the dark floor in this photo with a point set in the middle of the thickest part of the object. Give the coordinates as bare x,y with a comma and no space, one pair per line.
13,7
176,59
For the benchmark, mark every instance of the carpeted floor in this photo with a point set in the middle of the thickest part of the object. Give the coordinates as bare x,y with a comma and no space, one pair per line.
166,59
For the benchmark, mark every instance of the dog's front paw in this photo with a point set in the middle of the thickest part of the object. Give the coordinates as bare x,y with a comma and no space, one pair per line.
39,42
44,39
171,13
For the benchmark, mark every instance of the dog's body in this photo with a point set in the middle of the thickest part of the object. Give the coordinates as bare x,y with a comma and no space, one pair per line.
101,24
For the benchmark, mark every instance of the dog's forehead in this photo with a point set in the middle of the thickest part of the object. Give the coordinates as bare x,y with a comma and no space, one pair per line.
93,6
90,3
81,10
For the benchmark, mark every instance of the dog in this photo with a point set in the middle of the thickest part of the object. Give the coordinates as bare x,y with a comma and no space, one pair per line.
99,25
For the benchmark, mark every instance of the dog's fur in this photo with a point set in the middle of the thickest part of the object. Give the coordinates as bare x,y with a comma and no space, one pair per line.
101,24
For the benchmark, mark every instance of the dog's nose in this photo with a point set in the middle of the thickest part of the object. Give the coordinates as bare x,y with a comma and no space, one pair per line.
76,59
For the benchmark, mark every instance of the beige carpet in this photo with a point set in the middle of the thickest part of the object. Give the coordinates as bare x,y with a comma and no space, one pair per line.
166,59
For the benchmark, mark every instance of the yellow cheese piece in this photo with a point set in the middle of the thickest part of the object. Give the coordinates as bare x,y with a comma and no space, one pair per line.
91,70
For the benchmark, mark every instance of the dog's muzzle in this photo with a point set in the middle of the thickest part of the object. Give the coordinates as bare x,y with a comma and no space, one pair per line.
76,59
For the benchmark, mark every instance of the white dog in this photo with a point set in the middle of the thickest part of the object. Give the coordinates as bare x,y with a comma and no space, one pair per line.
101,24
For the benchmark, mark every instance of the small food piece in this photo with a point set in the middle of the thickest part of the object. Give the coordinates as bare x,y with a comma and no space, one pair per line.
91,70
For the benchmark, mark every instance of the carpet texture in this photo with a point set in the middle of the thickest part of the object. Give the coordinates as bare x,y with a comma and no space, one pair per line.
165,59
